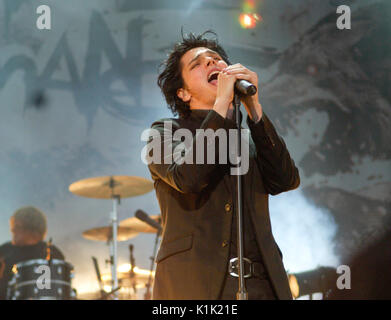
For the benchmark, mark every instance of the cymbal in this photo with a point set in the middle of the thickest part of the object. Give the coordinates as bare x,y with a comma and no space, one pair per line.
105,233
109,187
138,225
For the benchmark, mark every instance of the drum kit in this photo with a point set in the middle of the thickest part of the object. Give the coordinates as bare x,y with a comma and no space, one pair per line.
29,281
23,284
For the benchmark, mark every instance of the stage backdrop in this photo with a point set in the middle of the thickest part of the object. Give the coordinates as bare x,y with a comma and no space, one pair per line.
75,99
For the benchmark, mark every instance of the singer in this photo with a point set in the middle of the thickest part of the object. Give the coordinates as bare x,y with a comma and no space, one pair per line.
197,200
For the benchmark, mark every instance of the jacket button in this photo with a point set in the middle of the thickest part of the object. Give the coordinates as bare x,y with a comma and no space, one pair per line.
227,207
224,244
271,140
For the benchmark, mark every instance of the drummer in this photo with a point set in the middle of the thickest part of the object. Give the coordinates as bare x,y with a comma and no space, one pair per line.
28,226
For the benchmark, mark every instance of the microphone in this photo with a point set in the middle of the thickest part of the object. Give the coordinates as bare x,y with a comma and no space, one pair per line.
140,214
245,88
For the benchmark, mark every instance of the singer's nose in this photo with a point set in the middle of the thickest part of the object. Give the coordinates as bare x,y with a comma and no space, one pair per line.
209,61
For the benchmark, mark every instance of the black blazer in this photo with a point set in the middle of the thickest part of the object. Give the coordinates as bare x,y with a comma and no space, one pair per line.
196,202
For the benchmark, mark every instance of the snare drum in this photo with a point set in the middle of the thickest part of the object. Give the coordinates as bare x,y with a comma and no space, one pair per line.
41,279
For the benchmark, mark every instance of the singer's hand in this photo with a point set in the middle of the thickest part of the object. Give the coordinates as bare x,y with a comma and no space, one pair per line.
251,103
225,93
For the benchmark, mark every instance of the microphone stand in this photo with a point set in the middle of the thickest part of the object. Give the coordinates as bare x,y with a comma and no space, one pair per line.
242,293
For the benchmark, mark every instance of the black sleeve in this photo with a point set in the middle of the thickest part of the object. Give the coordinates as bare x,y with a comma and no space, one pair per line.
277,168
186,177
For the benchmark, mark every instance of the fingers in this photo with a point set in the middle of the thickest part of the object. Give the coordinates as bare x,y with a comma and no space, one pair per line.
242,76
224,78
237,67
230,79
241,72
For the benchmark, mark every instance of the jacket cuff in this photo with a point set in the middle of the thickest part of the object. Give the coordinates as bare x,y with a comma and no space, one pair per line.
264,133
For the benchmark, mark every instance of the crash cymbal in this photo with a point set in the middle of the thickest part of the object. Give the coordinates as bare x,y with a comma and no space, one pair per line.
105,233
138,225
109,187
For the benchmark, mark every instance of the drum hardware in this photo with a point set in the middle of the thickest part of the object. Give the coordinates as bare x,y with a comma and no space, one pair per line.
127,229
141,276
141,215
97,271
49,251
105,295
114,188
131,271
125,290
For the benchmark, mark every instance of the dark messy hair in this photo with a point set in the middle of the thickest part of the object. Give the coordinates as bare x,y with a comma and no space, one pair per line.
170,79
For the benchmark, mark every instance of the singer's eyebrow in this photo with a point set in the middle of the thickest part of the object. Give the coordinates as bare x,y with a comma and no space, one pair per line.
209,51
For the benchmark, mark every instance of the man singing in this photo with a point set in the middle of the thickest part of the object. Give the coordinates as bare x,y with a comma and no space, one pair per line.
197,199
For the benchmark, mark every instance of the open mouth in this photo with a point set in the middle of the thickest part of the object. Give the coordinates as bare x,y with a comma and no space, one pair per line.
213,77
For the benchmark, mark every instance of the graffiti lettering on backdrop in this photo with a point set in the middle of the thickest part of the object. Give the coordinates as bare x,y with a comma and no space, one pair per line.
92,89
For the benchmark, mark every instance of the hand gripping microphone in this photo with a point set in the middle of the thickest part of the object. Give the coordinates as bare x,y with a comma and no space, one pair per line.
245,88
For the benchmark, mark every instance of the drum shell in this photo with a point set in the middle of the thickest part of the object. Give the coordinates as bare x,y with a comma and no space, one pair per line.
24,283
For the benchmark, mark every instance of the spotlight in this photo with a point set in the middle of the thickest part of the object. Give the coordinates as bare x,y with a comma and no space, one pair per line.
249,20
322,280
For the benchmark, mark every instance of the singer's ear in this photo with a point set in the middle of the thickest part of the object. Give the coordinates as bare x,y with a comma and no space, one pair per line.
183,94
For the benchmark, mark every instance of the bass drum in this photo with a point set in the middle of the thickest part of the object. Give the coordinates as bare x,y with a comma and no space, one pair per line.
41,279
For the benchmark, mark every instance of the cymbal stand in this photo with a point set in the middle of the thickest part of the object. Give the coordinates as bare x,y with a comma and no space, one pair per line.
97,271
114,247
106,295
131,271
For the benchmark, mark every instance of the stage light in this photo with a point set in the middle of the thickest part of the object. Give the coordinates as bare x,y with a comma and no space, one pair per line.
320,280
294,286
249,17
248,21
